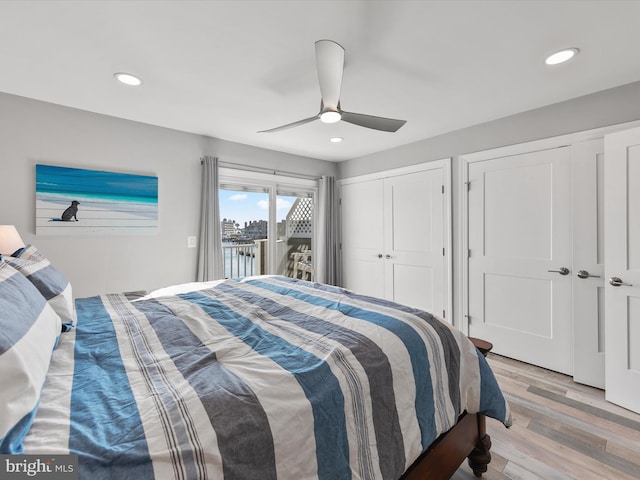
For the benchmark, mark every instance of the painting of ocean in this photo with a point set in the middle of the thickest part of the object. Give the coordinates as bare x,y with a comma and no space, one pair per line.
72,201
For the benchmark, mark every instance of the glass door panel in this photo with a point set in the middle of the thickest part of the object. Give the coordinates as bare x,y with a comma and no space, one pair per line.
294,244
244,224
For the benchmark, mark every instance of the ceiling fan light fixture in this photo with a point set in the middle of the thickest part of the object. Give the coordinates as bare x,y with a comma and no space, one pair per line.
336,139
330,117
128,79
562,56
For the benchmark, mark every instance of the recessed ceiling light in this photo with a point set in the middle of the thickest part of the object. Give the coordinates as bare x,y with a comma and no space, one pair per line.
128,79
336,139
562,56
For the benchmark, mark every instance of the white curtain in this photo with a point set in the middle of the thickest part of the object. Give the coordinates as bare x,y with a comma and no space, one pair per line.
210,258
327,259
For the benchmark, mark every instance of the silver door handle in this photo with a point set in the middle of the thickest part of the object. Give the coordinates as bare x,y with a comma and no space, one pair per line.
616,282
388,256
561,271
585,274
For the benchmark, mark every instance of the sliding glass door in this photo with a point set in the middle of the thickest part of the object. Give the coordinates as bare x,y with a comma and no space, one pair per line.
267,224
295,235
245,231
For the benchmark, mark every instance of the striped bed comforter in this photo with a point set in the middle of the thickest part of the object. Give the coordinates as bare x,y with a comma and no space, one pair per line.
258,379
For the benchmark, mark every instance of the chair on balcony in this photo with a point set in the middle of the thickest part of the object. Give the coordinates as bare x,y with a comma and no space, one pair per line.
302,265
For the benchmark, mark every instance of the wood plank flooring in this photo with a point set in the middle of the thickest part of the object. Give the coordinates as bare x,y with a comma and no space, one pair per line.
561,430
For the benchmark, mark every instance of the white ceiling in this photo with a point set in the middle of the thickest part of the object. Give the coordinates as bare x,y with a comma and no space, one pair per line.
227,69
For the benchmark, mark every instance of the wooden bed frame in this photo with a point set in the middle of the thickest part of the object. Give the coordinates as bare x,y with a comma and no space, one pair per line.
467,439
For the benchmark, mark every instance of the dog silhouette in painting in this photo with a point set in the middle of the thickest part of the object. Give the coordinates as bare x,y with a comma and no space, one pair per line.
71,212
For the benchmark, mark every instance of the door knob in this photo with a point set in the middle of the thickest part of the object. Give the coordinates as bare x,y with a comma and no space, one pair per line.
585,274
616,282
388,256
379,255
561,271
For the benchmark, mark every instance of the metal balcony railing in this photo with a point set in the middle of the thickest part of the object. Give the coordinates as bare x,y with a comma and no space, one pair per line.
239,260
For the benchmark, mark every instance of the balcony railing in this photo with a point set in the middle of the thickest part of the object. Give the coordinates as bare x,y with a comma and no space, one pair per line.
293,259
239,260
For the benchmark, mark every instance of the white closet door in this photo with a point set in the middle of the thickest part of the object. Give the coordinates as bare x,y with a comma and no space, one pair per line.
414,240
362,237
519,237
588,262
396,236
622,268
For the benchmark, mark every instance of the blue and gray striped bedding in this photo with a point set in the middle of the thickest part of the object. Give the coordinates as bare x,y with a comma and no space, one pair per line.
50,282
265,378
29,331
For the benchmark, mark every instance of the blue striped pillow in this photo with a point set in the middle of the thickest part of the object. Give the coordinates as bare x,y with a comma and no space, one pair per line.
29,331
51,282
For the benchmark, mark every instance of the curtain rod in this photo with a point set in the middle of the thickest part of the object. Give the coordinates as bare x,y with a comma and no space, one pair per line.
252,168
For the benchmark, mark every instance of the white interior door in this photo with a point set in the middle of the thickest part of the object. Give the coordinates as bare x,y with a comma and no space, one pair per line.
414,240
622,268
588,262
519,238
362,237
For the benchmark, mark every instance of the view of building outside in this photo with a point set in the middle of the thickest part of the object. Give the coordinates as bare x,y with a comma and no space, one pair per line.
244,226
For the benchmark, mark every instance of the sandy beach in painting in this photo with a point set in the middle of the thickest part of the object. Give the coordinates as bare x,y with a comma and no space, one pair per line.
95,215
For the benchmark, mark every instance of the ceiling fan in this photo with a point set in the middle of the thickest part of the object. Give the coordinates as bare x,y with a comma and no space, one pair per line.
330,62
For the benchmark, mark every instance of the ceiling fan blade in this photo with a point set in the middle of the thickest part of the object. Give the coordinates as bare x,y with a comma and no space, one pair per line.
330,64
370,121
290,125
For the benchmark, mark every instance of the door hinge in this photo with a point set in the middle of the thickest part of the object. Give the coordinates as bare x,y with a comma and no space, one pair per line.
468,253
443,189
468,317
443,254
340,201
444,314
468,184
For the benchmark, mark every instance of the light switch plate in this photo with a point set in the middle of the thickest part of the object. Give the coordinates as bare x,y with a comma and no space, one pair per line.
191,242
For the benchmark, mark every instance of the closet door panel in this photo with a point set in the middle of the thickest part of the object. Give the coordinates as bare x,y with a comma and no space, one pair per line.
622,268
519,237
414,285
414,240
362,237
588,259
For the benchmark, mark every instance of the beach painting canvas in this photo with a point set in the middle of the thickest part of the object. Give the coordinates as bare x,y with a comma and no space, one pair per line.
72,201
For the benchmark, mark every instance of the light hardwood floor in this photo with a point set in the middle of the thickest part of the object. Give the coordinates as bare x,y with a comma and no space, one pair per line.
561,430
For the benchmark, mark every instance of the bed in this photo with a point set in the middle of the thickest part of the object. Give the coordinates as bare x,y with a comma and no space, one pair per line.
264,377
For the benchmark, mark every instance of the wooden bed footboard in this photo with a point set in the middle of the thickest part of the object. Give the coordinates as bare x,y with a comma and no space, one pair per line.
467,439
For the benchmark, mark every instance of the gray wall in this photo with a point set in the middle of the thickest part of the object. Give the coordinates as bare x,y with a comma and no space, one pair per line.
609,107
37,132
34,132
